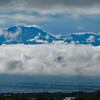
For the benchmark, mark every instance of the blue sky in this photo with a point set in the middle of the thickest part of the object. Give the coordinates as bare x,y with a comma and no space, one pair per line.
55,16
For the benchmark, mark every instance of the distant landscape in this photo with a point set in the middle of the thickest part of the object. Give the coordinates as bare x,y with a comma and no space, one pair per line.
51,96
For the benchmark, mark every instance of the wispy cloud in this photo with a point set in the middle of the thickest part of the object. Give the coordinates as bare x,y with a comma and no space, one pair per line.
21,18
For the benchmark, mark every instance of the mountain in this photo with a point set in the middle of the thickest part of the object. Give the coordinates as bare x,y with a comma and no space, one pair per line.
25,35
21,34
83,38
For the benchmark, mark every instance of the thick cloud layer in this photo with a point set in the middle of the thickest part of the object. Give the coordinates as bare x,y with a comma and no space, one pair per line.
57,58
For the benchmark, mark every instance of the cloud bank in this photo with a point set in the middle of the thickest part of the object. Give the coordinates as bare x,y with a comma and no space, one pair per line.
50,59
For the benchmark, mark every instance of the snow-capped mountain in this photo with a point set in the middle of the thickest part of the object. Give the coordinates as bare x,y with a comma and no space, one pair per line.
83,38
21,34
25,35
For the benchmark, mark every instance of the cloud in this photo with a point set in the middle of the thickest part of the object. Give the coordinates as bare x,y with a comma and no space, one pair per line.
2,22
20,18
76,7
46,3
50,13
80,28
50,59
91,39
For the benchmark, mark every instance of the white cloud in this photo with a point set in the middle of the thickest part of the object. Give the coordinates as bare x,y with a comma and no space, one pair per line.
81,33
1,31
90,39
80,28
15,34
10,36
2,22
56,58
26,18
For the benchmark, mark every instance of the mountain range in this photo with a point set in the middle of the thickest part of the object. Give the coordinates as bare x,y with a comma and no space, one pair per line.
22,34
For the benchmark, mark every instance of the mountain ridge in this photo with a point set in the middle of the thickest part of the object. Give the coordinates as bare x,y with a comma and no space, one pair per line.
21,34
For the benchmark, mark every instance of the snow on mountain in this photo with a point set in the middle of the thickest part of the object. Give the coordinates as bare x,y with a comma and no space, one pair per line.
83,38
22,34
25,35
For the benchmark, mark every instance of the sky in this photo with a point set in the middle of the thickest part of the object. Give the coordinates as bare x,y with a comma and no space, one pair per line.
55,16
